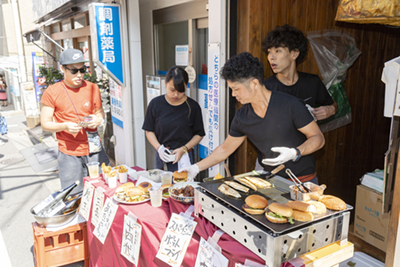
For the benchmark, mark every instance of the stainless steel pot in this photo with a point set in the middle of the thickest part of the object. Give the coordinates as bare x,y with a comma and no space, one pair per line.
55,220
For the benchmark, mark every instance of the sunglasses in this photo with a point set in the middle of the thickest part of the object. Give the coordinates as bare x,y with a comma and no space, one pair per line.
75,71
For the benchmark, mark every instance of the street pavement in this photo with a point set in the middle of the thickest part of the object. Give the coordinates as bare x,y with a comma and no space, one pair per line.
20,189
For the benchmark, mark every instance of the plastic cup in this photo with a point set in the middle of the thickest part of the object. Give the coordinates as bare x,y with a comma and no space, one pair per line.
112,181
122,177
155,197
93,168
166,178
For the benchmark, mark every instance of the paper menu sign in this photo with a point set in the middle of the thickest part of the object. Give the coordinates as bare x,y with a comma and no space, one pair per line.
86,200
176,240
130,245
207,256
98,201
105,220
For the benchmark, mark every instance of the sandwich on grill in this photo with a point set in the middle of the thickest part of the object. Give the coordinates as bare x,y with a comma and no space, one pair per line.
279,213
332,202
320,207
237,186
180,177
245,182
261,183
302,211
229,191
255,204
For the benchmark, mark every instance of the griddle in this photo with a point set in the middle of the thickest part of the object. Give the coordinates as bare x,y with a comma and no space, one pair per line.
279,193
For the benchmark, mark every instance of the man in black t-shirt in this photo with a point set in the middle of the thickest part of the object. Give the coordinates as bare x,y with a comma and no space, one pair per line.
286,46
278,124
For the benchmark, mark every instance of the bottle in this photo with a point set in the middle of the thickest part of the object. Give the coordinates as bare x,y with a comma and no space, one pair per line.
71,203
55,202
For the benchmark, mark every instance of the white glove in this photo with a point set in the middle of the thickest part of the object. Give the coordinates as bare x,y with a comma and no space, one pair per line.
192,171
286,154
162,153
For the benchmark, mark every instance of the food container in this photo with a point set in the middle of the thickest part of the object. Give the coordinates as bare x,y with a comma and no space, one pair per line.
55,220
183,199
317,191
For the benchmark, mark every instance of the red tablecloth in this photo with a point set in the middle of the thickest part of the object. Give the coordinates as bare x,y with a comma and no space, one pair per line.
154,222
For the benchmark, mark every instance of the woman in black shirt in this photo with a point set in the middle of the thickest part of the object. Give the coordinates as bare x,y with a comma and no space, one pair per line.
173,121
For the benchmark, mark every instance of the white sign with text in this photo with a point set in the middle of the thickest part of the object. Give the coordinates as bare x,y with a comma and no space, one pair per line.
130,245
86,201
176,240
98,202
105,220
207,256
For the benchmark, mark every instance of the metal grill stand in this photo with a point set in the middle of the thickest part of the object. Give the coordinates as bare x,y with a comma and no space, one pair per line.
274,248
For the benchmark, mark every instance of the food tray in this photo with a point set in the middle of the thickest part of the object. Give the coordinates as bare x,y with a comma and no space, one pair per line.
279,193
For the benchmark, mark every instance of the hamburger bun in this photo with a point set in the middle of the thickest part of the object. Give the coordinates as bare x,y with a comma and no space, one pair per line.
180,176
134,192
332,202
124,187
145,186
319,207
302,216
255,204
279,209
301,206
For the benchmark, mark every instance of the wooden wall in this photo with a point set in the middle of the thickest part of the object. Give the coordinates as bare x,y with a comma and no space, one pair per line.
354,149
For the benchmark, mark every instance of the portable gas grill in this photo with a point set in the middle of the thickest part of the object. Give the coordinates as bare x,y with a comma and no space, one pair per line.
274,243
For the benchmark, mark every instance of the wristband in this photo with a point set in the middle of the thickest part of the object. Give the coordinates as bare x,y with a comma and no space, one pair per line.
298,155
184,149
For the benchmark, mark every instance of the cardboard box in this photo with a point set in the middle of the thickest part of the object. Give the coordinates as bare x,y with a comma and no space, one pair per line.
369,223
32,121
374,180
329,255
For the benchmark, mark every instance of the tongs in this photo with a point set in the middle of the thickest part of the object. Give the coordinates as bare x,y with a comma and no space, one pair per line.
297,182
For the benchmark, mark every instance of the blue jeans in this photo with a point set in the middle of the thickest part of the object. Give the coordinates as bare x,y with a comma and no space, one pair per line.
72,168
159,164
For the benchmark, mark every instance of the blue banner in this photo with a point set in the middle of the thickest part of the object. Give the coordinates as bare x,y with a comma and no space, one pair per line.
106,26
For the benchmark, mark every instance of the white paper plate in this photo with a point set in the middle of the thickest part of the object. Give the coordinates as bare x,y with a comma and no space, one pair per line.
130,203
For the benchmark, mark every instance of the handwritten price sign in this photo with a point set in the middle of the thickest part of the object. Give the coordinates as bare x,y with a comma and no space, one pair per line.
98,202
130,245
176,240
86,201
105,220
207,256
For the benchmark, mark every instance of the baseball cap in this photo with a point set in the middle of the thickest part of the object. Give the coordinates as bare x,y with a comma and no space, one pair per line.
71,56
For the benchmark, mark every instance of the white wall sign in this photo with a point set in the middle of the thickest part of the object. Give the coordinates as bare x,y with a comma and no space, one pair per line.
181,55
176,240
86,201
117,116
213,84
105,220
207,256
98,202
130,245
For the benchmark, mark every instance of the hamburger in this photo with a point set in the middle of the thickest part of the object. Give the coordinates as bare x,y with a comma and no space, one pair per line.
165,190
302,211
134,194
180,177
120,191
279,213
255,204
332,202
144,186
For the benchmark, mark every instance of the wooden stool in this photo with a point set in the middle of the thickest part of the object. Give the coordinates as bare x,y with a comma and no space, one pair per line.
62,247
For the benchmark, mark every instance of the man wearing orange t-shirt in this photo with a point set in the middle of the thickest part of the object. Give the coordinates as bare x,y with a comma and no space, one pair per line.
72,108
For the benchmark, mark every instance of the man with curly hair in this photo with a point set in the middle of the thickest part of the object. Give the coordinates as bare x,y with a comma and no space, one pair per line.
278,124
285,47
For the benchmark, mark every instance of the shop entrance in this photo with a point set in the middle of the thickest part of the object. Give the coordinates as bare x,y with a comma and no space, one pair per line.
183,25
